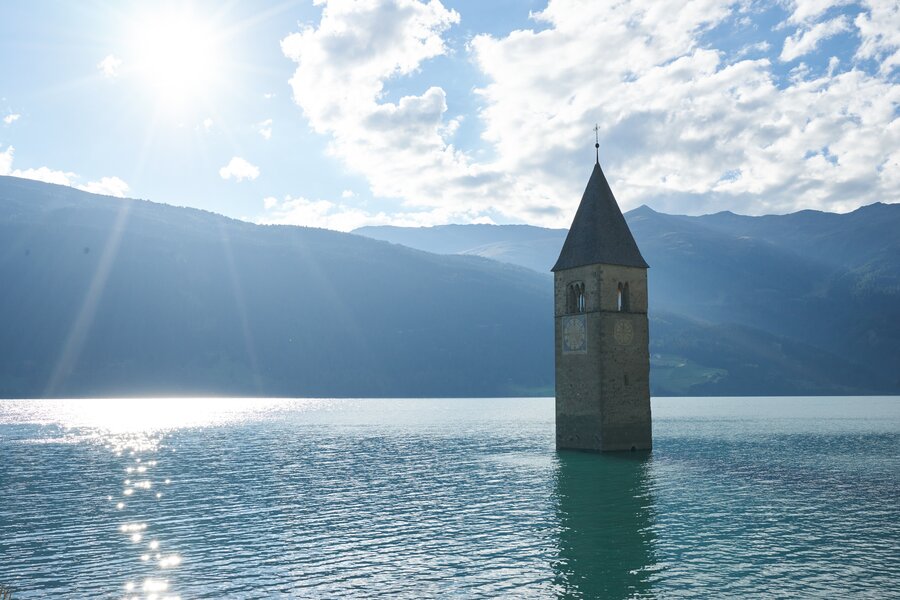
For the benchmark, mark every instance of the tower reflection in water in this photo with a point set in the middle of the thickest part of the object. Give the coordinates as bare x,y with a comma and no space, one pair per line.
605,525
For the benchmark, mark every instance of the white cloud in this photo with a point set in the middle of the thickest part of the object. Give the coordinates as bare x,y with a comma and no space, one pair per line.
344,217
878,25
109,66
879,29
805,11
265,129
109,186
684,126
239,169
804,42
342,67
47,175
6,160
11,118
757,48
402,146
207,124
347,194
684,129
319,213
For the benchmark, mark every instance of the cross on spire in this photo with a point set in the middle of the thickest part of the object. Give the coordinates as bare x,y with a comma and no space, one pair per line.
597,141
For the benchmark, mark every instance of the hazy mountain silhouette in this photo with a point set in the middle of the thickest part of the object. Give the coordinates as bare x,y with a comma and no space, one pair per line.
524,245
801,303
828,281
105,296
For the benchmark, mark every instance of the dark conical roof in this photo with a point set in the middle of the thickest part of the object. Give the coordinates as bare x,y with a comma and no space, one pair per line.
599,233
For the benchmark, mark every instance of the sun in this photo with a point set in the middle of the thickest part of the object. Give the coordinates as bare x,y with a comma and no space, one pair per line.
178,56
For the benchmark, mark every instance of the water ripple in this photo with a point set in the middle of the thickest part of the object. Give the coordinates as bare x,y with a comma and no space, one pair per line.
443,498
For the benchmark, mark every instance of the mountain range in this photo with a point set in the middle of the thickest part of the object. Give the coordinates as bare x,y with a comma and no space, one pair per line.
106,296
803,303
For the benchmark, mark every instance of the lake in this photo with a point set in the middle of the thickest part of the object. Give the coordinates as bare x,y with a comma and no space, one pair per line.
449,498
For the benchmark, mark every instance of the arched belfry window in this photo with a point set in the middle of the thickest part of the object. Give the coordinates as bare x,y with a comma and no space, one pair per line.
575,297
622,298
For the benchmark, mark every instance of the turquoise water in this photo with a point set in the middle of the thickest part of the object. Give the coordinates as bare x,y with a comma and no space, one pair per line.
219,498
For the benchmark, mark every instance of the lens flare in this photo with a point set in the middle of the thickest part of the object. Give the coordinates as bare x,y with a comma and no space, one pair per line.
178,55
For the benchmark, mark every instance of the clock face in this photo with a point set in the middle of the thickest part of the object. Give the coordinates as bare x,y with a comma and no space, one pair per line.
623,332
574,333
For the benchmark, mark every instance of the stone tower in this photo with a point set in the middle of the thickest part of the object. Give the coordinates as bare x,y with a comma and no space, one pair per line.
602,332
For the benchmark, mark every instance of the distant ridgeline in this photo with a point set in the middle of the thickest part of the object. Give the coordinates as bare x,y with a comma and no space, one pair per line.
805,303
104,296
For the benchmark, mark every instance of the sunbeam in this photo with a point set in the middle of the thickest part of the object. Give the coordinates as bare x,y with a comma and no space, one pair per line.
238,294
82,324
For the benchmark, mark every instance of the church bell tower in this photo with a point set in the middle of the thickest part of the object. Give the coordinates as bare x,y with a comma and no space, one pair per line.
602,331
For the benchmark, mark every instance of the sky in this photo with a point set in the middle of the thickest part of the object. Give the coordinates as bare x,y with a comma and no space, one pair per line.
342,113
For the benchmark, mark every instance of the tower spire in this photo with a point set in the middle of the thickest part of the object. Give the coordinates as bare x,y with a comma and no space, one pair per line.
597,141
599,233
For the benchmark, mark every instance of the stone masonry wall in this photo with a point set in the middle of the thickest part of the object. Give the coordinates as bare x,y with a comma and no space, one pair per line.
603,395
